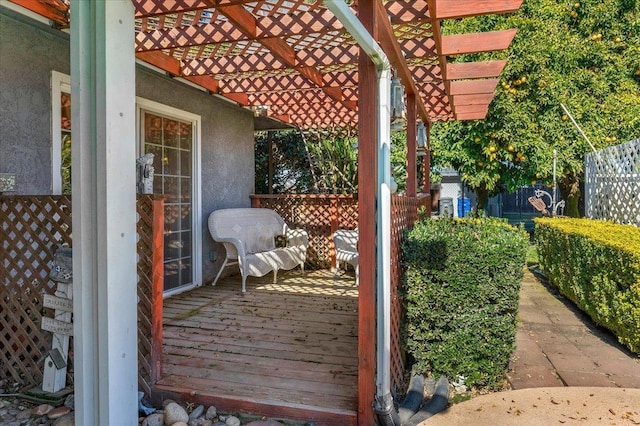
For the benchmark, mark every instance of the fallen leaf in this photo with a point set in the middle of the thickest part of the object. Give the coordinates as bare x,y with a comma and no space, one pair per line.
554,402
479,409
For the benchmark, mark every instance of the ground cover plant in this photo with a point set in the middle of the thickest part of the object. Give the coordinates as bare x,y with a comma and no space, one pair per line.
462,282
596,264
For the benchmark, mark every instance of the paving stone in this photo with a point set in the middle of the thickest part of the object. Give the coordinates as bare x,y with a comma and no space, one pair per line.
534,377
557,344
579,378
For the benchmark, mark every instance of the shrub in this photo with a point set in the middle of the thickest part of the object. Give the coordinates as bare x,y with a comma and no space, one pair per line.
596,264
462,283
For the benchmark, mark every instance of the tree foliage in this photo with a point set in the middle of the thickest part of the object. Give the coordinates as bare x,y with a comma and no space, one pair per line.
320,162
309,162
583,54
291,172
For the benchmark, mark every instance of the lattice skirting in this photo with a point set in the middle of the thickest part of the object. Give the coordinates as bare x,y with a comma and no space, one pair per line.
29,227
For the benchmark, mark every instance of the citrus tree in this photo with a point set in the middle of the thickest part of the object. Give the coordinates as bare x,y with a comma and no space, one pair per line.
583,54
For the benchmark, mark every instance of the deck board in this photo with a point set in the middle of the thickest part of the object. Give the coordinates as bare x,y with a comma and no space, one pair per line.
283,350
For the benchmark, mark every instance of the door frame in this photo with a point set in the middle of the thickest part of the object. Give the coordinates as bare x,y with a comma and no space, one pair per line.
196,234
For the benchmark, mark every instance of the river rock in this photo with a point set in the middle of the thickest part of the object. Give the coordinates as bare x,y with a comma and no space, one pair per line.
41,410
69,401
174,413
232,421
58,412
66,420
156,419
24,414
197,412
211,414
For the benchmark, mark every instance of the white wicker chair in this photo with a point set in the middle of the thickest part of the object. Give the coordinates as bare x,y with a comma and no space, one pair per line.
346,243
249,235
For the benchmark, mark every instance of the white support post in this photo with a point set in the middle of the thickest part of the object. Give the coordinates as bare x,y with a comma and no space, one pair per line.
104,214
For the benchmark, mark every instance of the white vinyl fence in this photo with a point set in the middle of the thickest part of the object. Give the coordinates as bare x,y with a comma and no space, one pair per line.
612,183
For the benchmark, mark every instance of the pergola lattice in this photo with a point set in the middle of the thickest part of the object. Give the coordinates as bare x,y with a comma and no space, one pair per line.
295,58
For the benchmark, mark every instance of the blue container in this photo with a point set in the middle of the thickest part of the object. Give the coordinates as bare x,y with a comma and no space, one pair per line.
464,206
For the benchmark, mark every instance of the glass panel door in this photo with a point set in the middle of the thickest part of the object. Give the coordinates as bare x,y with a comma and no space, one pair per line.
171,142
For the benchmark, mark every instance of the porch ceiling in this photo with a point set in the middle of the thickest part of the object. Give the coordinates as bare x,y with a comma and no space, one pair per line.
295,57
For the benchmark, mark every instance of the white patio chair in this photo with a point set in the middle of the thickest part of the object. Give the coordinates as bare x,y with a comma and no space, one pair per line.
346,244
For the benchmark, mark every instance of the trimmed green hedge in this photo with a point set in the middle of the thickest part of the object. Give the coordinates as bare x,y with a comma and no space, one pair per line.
462,283
596,264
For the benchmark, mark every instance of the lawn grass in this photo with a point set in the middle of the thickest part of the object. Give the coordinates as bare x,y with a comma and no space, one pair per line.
532,255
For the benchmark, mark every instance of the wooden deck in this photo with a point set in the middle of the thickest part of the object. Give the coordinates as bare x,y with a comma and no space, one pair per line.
286,350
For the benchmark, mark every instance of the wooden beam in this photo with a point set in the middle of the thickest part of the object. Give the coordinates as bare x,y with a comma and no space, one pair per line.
470,87
367,189
466,70
283,118
240,98
468,109
477,42
157,288
396,56
206,81
171,65
471,116
160,60
442,59
58,15
411,145
454,9
475,99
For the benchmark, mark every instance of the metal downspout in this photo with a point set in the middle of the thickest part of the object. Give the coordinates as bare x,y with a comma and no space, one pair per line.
383,268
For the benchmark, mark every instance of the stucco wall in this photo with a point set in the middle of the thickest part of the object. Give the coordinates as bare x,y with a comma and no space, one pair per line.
28,53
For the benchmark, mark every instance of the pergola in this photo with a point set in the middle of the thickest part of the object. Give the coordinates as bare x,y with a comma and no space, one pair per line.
293,58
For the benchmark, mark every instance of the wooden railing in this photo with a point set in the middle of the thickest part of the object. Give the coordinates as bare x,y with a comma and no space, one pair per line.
322,215
319,215
29,227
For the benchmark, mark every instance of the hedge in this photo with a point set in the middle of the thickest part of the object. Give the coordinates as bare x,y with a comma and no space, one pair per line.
462,281
596,264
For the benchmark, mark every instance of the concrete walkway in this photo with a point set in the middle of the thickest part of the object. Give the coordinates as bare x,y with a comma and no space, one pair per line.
559,345
564,370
